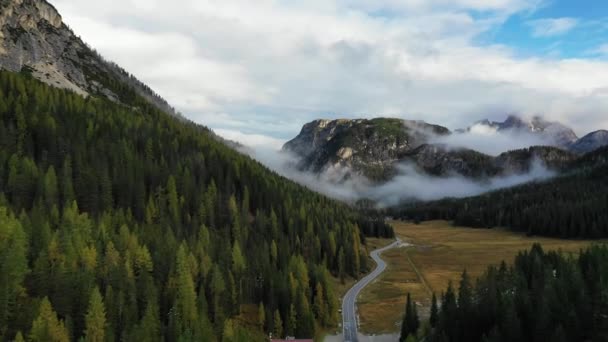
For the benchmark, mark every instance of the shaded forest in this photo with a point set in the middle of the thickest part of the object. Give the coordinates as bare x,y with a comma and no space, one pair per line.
125,223
573,205
542,297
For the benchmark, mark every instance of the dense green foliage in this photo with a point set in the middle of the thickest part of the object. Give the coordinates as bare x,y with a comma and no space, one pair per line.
124,223
411,322
542,297
572,205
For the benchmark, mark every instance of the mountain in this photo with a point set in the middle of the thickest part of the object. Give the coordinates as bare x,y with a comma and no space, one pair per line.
373,148
590,142
365,147
121,221
34,39
555,133
441,160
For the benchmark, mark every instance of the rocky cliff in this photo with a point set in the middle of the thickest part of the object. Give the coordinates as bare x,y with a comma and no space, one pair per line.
554,133
374,148
366,147
34,39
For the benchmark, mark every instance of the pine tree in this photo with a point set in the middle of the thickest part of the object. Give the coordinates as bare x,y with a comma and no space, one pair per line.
13,265
278,325
51,190
19,337
95,319
47,327
261,316
185,297
434,312
67,183
320,305
341,265
411,322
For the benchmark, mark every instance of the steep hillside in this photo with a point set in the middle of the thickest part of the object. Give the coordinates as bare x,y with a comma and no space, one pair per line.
34,38
177,232
590,142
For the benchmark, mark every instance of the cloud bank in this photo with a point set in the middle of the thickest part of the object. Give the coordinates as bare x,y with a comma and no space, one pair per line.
266,67
487,140
409,185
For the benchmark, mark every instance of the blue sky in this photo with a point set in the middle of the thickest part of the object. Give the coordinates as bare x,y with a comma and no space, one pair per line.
587,29
257,70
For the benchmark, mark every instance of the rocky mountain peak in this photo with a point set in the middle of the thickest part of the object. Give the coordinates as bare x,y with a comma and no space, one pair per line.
29,14
34,39
554,133
365,147
591,142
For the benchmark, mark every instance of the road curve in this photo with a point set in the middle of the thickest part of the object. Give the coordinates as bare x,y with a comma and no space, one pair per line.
349,310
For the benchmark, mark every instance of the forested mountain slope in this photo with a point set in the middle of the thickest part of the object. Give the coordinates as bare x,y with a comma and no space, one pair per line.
572,205
133,225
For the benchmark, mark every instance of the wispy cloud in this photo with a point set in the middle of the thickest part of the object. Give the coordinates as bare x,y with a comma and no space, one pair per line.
550,27
601,51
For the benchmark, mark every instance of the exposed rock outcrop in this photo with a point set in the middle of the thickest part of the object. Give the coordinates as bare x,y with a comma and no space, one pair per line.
34,39
374,148
365,147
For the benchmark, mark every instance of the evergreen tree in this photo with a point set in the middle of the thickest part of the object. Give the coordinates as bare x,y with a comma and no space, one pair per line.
434,312
13,266
278,325
47,327
411,322
95,318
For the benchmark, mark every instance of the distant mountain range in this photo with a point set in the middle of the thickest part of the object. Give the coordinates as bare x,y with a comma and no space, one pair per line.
374,148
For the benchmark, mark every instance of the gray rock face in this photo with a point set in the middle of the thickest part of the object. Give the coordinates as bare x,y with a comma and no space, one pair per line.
555,133
373,148
366,147
590,142
33,38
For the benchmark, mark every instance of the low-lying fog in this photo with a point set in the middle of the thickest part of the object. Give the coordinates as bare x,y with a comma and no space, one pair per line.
409,184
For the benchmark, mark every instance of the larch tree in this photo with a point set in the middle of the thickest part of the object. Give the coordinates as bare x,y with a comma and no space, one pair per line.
95,319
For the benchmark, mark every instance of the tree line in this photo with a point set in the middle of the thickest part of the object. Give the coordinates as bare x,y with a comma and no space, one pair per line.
573,205
121,222
543,296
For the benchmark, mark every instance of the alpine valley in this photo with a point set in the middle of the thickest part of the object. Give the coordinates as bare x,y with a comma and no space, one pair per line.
123,220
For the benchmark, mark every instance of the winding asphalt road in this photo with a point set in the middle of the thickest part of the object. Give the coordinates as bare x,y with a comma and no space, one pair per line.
349,310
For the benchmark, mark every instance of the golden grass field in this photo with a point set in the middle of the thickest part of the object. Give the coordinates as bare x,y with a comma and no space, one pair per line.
440,253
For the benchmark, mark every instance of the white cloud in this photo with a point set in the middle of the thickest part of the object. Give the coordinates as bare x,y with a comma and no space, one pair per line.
484,139
270,66
251,140
550,27
409,184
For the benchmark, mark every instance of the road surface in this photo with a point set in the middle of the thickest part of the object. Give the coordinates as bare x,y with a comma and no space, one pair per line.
349,310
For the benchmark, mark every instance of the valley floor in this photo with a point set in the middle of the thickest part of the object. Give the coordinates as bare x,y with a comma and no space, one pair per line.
438,254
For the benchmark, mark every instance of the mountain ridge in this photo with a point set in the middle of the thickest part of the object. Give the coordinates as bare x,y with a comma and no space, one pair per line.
374,147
